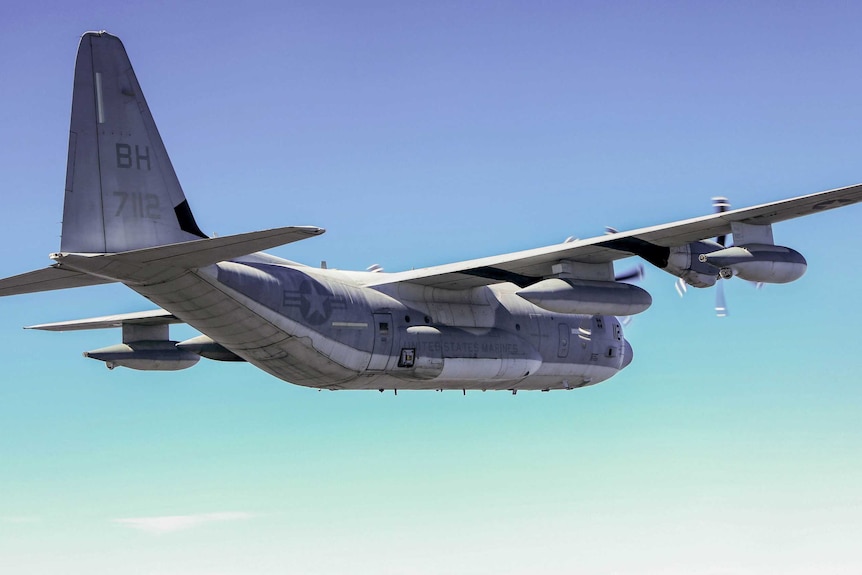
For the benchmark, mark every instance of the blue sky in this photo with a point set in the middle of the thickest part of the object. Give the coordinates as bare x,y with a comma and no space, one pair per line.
422,133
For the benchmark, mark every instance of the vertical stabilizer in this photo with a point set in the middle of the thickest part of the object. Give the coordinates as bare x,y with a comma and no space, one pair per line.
121,189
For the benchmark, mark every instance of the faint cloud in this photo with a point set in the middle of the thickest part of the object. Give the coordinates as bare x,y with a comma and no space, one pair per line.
20,519
171,523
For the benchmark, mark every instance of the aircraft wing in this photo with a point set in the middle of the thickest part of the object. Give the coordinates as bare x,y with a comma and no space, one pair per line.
152,317
526,267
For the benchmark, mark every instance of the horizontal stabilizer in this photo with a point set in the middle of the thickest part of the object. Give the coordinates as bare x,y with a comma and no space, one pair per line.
48,279
143,318
204,252
143,265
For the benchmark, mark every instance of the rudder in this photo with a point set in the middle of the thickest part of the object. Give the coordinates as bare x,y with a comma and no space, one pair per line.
121,190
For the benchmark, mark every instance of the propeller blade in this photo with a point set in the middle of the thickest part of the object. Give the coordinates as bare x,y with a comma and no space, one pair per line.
721,204
632,274
720,303
681,287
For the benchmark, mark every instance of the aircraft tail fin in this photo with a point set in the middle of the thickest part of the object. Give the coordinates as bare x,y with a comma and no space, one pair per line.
121,190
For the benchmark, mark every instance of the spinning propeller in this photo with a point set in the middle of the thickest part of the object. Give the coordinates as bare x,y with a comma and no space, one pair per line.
633,274
720,204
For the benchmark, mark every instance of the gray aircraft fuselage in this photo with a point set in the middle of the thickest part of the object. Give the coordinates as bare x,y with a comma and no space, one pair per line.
321,328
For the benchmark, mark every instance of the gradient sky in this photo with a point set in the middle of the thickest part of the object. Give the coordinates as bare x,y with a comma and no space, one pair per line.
421,133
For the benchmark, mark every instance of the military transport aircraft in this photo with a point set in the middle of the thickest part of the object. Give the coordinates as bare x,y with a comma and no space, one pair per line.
539,319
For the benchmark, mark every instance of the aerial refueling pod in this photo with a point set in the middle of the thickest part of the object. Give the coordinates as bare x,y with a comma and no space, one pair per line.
587,297
159,355
758,263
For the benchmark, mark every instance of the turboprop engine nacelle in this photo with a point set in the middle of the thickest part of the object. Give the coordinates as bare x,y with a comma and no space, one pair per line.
587,297
758,263
684,262
145,355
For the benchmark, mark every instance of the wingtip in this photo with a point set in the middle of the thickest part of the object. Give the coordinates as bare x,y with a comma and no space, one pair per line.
310,230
